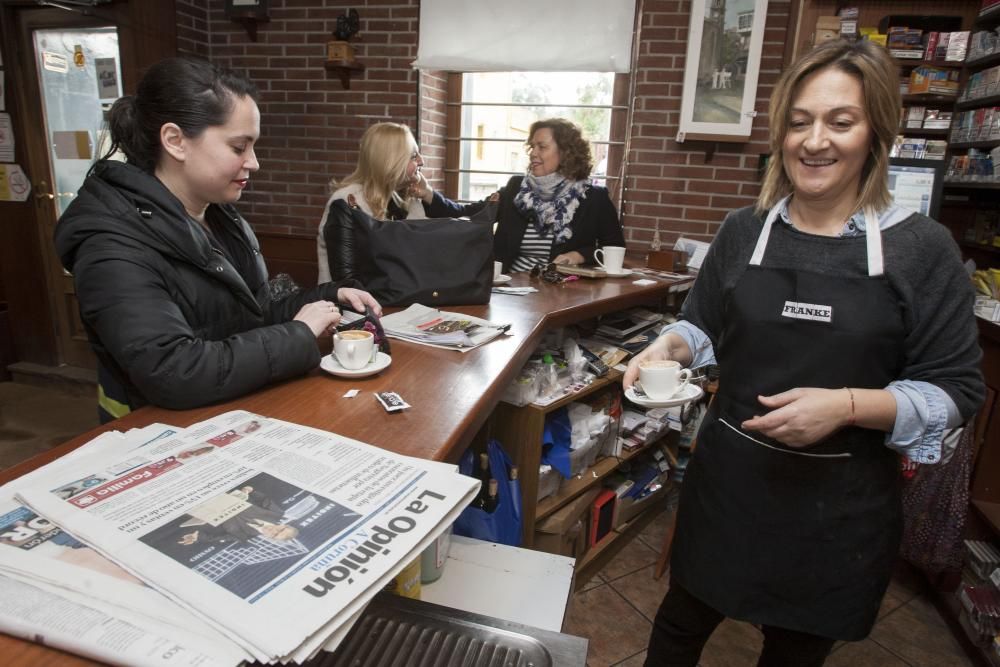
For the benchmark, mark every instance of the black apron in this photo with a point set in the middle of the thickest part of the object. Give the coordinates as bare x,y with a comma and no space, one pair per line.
802,539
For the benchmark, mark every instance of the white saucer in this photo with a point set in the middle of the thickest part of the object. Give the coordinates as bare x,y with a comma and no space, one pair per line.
691,392
504,278
332,366
618,274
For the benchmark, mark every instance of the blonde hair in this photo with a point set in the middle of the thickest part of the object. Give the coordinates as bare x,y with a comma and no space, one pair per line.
878,75
386,149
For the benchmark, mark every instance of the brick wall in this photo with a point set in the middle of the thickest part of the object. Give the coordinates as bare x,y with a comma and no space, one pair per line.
688,188
311,125
433,112
192,27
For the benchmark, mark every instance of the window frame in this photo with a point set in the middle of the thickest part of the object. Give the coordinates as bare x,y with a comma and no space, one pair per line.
616,137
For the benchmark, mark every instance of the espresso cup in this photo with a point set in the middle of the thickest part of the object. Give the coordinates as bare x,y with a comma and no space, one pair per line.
610,258
497,270
354,349
661,380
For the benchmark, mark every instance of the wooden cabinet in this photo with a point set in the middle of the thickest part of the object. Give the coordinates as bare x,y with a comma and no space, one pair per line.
971,205
520,429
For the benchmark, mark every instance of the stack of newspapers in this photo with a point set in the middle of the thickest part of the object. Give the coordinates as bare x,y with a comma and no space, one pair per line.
239,538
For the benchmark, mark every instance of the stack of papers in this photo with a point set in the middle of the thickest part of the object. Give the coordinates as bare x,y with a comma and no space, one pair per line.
239,538
439,328
619,326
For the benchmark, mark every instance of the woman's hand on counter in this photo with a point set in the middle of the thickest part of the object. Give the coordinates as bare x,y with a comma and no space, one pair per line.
571,257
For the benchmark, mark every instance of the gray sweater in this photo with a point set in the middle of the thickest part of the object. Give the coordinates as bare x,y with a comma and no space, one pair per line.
922,265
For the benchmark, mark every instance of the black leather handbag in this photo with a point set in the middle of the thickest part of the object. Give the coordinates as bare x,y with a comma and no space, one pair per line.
434,262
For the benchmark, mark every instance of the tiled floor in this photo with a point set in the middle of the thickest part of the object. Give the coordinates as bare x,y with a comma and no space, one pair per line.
34,419
615,611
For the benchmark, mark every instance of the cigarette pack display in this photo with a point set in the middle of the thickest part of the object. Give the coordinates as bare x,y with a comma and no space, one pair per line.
958,44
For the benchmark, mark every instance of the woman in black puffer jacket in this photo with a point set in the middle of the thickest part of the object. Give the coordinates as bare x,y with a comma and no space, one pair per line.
172,287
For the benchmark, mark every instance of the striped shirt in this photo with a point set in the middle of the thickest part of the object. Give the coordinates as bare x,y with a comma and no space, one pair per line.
535,249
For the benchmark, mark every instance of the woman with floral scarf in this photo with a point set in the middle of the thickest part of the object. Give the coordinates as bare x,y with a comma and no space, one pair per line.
551,214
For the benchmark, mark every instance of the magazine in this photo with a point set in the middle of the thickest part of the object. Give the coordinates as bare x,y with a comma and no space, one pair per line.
438,328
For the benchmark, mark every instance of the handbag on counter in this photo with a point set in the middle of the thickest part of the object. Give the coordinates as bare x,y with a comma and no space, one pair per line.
434,262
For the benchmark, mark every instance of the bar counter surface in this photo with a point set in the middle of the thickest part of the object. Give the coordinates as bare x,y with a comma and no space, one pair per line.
451,393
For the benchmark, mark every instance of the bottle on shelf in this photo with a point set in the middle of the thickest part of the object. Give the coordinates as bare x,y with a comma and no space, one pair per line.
482,473
491,501
550,376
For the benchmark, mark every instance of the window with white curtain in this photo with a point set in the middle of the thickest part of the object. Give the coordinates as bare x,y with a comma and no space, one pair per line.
497,110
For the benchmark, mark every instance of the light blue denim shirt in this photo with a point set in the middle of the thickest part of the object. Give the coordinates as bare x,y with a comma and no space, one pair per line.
924,412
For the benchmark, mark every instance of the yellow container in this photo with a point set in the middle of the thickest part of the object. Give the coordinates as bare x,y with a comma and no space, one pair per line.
407,582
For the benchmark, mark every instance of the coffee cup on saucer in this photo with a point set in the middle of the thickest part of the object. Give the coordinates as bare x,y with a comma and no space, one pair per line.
663,379
497,270
354,349
610,258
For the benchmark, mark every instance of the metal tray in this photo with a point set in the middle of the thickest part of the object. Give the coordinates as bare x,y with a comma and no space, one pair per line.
399,632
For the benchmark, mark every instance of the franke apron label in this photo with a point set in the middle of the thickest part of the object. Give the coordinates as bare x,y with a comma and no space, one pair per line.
807,311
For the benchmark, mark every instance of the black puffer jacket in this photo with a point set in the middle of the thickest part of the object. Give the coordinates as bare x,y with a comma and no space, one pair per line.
170,318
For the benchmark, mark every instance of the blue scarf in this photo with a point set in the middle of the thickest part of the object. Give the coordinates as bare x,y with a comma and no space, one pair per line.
554,199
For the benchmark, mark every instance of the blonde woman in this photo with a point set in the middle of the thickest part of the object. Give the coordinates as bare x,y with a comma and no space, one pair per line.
843,328
389,164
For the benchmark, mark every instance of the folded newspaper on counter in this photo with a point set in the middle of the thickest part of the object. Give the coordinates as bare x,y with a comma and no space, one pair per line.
58,591
439,328
270,537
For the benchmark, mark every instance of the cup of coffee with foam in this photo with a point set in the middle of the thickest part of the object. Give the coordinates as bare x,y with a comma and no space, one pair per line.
663,379
354,349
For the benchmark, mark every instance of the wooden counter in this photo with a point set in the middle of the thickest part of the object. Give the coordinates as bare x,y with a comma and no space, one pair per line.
452,393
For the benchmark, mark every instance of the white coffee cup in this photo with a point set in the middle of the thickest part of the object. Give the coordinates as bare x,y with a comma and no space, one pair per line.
497,270
661,379
610,258
354,349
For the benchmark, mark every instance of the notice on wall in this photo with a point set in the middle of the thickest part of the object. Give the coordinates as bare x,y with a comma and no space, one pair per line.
107,78
14,184
55,62
6,138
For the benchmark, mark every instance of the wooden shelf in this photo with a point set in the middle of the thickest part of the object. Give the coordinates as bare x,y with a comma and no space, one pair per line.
991,59
925,131
975,144
597,556
980,247
987,101
988,18
913,62
972,185
344,69
611,378
571,488
990,512
929,98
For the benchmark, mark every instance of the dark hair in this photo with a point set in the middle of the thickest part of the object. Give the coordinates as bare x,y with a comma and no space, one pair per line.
190,92
575,160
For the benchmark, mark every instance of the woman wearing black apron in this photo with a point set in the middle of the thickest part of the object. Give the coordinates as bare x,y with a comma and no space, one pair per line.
843,328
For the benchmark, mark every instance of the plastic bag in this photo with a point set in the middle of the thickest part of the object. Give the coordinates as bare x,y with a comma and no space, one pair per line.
503,525
557,441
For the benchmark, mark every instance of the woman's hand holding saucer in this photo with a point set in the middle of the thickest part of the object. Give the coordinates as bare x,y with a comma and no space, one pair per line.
320,316
803,416
359,299
668,347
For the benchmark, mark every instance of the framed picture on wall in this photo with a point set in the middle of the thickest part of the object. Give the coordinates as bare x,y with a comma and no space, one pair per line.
721,69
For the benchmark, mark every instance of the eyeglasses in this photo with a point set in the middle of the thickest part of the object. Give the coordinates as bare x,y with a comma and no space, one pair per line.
546,272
